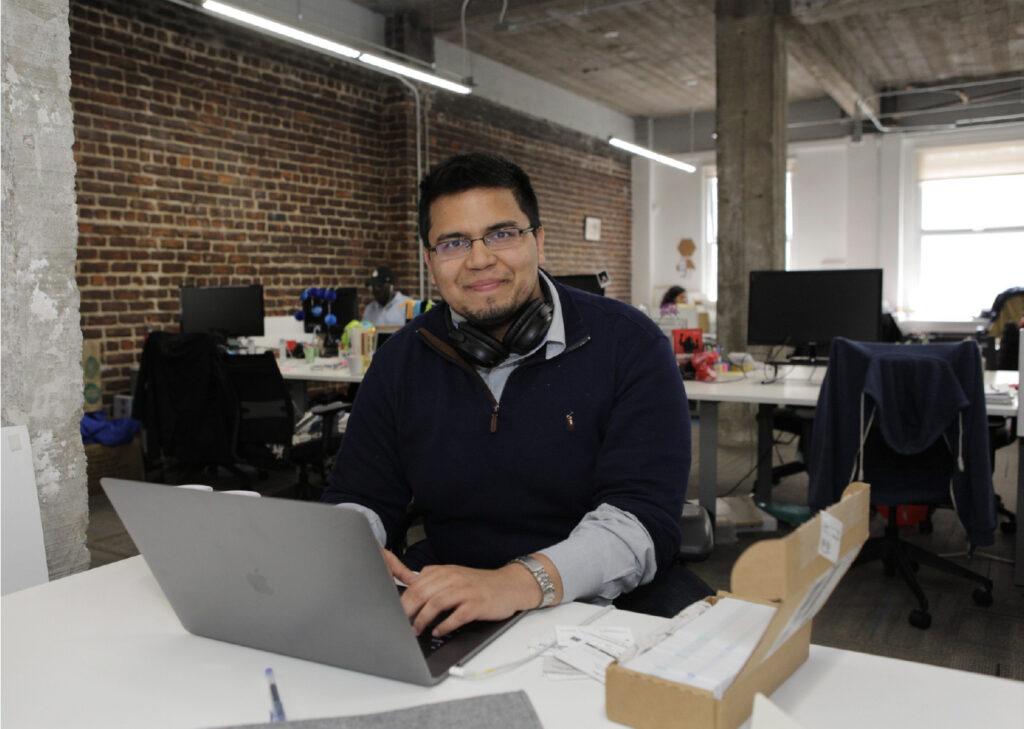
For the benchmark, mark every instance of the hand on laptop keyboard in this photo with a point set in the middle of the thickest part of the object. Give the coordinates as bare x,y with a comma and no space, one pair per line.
469,594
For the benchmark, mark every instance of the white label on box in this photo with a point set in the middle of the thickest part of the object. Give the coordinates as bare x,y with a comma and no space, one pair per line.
831,537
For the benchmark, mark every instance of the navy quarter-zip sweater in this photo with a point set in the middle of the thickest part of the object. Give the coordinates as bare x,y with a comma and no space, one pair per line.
604,422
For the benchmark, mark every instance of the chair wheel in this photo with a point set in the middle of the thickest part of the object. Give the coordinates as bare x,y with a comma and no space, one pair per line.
982,597
920,619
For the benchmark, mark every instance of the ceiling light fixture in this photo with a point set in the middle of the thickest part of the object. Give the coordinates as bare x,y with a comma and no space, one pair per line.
643,152
331,47
402,70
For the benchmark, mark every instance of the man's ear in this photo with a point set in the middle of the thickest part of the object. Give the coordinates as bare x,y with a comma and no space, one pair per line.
428,263
539,235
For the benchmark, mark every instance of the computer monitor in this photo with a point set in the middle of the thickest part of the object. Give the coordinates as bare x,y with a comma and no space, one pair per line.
593,283
345,308
231,311
808,309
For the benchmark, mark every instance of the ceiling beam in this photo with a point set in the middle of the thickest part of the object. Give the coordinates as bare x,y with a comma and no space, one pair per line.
823,11
819,49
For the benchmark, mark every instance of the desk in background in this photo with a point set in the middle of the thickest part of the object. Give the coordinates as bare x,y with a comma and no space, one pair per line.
103,649
297,372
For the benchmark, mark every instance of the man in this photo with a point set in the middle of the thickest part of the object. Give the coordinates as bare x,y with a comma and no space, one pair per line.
524,419
388,307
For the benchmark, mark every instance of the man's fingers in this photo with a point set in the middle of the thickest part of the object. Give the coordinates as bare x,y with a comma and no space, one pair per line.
398,569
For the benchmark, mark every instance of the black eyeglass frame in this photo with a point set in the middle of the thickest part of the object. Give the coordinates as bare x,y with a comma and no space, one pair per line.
483,238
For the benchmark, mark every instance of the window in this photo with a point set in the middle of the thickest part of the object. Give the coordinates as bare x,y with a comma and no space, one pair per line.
710,282
970,228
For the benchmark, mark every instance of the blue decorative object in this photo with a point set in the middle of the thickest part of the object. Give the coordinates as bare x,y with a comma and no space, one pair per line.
330,320
300,315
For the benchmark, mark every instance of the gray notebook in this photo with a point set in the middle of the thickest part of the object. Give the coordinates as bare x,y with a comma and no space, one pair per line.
297,578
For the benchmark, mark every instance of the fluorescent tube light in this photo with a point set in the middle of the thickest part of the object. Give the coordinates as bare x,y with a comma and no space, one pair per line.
616,142
301,36
286,31
403,70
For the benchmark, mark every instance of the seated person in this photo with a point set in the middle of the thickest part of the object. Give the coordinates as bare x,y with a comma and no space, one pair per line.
388,307
542,432
675,296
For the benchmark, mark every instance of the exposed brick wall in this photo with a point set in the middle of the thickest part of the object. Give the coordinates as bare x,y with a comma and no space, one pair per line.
210,155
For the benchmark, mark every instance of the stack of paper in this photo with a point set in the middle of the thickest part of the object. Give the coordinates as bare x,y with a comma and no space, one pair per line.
709,651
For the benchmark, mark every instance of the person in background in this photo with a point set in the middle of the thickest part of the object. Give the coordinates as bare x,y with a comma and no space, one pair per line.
388,307
675,296
541,432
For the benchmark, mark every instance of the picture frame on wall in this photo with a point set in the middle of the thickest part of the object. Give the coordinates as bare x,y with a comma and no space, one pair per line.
591,228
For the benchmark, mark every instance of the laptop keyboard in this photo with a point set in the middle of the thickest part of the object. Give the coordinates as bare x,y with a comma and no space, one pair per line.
428,643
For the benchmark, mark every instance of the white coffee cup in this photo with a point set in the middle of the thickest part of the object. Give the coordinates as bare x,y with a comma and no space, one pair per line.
355,364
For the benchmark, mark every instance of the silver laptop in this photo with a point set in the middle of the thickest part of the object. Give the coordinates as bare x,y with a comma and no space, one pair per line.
291,577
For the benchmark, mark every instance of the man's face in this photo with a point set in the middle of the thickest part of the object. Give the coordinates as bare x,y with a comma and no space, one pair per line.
382,293
485,286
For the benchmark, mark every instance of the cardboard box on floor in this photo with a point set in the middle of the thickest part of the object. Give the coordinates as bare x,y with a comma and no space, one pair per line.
790,573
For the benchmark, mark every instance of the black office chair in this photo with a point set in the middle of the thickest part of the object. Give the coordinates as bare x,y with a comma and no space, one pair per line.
910,420
185,403
799,423
265,416
315,442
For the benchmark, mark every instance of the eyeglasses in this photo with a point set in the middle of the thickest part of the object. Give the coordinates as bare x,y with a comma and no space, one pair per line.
496,240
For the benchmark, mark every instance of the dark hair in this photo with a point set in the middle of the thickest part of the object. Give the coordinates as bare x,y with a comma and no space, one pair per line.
671,294
470,171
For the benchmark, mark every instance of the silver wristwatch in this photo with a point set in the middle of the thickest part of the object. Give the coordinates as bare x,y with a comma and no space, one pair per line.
547,587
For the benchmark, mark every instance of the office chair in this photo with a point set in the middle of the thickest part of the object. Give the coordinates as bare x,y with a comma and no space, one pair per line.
910,420
185,403
264,416
315,442
798,421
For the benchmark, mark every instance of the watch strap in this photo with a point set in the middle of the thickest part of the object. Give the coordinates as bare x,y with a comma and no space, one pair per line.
547,587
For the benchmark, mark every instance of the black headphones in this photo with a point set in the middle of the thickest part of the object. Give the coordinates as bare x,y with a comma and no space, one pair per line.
527,331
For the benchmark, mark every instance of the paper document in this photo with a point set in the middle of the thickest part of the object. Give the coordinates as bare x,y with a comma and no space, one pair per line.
709,651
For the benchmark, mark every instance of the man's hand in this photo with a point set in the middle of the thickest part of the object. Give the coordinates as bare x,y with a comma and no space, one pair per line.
471,594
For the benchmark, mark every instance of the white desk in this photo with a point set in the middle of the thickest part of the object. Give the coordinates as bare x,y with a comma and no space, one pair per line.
800,388
103,649
297,372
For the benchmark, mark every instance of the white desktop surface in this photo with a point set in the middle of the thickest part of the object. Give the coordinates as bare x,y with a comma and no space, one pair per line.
322,369
103,649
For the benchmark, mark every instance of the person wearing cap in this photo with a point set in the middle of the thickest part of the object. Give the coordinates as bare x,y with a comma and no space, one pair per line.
388,307
541,432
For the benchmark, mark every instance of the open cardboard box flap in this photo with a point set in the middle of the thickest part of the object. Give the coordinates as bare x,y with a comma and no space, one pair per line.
791,573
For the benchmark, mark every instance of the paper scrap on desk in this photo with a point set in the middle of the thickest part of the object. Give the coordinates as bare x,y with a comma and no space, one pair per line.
813,600
586,650
767,715
710,650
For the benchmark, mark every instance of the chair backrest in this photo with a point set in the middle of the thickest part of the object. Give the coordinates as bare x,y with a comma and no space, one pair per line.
913,418
183,397
266,414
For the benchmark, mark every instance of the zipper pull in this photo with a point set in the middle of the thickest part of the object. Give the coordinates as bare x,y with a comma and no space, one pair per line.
494,420
569,424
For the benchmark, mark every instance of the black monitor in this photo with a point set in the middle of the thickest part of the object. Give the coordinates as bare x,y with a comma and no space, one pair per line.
345,308
593,283
231,311
808,309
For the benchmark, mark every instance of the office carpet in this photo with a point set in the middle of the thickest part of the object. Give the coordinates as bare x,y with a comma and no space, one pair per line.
867,612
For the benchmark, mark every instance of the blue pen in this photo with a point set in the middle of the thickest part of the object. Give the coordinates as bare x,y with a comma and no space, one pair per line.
277,708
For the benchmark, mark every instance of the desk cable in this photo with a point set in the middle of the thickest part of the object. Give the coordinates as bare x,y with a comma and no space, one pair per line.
462,672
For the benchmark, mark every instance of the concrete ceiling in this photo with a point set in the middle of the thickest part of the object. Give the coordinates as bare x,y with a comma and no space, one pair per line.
656,58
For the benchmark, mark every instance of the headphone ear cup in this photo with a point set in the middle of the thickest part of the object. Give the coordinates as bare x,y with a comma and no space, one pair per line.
479,348
529,329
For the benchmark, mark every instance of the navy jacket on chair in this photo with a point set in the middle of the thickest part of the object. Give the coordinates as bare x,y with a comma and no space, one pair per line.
916,393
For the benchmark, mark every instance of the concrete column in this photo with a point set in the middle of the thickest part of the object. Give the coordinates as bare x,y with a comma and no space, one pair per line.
751,154
41,335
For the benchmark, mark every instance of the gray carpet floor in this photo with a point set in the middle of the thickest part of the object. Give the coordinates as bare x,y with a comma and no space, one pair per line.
868,610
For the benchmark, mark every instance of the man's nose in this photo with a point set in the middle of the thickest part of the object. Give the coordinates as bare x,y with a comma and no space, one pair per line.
480,256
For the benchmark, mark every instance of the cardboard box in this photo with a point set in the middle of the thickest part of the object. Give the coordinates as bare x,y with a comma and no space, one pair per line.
122,461
92,390
796,574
